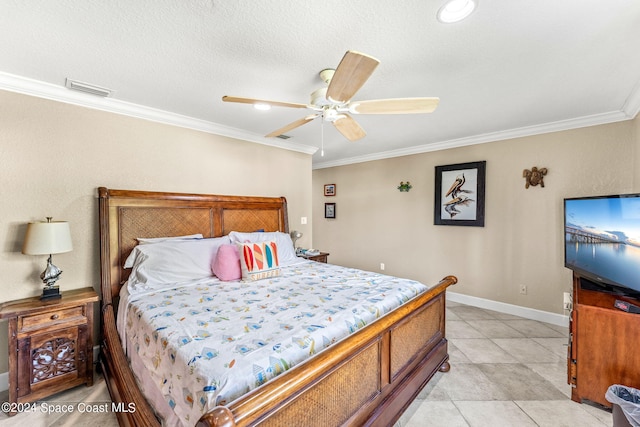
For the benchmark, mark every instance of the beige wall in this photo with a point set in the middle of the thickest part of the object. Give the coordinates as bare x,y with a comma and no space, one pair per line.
53,156
522,240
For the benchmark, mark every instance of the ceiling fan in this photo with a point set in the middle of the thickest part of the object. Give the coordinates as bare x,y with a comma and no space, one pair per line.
333,103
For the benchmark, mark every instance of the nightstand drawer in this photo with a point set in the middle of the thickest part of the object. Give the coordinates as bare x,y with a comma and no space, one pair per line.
45,319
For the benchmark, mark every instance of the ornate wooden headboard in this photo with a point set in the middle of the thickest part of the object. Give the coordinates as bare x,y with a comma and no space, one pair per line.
126,215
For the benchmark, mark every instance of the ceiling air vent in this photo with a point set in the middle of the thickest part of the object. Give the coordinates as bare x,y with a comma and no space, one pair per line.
283,136
87,88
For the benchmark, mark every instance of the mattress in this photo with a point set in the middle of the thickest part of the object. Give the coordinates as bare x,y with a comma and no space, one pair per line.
208,342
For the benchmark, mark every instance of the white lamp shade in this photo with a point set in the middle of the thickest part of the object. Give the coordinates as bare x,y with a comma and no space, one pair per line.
45,238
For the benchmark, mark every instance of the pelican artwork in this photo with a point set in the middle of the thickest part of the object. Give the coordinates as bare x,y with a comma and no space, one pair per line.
458,197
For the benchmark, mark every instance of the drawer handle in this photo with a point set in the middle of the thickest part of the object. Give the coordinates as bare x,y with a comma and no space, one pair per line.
54,317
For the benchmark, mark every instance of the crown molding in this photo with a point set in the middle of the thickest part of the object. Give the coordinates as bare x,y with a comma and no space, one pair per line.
629,111
19,84
632,105
580,122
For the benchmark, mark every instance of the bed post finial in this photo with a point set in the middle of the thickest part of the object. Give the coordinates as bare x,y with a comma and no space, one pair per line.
220,416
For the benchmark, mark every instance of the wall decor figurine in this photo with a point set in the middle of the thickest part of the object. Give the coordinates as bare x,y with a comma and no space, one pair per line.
404,186
534,176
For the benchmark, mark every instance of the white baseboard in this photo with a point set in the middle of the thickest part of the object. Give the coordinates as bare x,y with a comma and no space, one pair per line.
516,310
4,377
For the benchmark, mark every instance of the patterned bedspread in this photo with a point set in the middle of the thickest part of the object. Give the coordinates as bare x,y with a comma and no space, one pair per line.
209,343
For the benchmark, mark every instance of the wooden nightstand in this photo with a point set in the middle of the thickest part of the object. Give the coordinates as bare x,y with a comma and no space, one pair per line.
50,344
321,257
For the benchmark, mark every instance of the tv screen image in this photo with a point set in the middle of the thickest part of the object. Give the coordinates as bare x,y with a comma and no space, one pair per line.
602,240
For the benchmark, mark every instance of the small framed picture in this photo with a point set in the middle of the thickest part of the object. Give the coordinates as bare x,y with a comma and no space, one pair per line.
329,210
329,189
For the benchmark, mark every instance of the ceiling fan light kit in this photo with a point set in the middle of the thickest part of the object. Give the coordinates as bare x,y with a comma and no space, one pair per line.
333,102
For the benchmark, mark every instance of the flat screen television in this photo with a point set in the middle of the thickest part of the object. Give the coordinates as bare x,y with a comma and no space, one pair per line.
602,242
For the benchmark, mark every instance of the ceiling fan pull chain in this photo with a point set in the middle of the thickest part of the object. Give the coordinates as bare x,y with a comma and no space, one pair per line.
322,136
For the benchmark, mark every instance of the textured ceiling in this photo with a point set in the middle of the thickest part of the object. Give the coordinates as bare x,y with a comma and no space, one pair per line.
513,68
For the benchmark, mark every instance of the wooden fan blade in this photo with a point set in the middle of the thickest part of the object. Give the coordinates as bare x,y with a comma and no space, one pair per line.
394,106
349,128
352,72
262,101
293,125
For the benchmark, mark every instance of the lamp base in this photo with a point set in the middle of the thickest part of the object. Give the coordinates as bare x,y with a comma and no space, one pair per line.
49,293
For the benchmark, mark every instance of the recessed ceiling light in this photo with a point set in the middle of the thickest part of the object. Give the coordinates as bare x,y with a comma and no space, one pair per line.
456,10
261,106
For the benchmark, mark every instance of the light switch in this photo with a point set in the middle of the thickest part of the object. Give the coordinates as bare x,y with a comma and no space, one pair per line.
303,220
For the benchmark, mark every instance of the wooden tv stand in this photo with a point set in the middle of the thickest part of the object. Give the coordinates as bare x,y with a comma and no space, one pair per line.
603,344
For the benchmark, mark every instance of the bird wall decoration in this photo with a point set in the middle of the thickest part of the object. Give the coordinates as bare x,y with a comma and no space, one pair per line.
458,196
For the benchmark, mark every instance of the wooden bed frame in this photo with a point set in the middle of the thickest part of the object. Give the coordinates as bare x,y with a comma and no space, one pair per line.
369,378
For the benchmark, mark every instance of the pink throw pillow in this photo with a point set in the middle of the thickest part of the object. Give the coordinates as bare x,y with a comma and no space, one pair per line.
226,264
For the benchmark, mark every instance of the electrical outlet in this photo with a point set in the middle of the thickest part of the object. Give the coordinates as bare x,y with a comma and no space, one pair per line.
567,301
382,266
523,289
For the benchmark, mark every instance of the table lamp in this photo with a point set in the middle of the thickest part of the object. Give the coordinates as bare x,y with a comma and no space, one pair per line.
295,235
48,238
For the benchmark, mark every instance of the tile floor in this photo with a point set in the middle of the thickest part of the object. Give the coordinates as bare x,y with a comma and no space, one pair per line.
505,371
81,400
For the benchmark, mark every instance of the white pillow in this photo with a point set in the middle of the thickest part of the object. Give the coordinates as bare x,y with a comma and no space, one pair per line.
172,261
286,251
146,240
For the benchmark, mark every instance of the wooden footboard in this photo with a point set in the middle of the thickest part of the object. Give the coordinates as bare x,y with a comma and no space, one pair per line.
369,378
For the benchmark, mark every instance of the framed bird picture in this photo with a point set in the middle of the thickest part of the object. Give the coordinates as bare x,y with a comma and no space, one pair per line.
459,194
